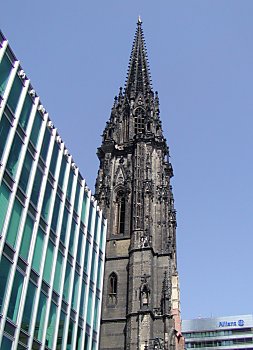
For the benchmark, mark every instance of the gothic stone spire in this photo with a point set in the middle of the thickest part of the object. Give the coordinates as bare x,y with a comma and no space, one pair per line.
135,112
133,188
138,78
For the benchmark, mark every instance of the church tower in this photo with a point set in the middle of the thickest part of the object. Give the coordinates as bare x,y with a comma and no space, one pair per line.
141,294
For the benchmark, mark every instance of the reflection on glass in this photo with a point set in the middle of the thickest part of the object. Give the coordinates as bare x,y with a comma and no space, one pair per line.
29,307
12,163
4,132
15,296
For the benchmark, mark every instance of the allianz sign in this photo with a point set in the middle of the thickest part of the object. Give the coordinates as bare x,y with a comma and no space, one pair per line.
239,323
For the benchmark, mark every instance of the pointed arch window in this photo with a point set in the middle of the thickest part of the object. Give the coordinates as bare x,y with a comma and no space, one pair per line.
120,213
112,288
139,121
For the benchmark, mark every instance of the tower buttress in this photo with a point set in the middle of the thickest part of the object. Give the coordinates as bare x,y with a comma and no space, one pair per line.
133,188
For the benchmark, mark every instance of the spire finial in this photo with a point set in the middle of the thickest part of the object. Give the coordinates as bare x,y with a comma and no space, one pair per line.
138,77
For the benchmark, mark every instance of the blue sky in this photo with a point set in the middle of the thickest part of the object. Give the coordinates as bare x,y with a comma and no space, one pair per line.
201,56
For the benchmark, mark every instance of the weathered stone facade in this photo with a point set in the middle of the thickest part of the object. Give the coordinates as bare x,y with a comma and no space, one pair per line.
141,294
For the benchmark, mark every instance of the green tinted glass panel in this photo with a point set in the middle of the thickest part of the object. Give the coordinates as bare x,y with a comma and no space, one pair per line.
70,183
90,219
61,331
84,204
26,238
102,235
79,339
6,343
5,266
75,291
64,225
38,250
14,94
62,172
87,342
5,126
54,158
47,201
96,227
87,256
4,201
79,246
67,282
40,319
83,292
36,186
26,171
95,319
29,307
14,155
72,236
56,213
99,272
77,195
25,112
51,326
36,128
89,308
48,263
70,335
15,296
58,272
45,144
13,227
5,69
92,271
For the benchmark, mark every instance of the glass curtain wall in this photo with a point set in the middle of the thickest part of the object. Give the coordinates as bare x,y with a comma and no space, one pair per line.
52,234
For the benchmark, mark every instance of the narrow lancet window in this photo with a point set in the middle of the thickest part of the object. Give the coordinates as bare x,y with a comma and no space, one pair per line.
112,288
120,212
139,121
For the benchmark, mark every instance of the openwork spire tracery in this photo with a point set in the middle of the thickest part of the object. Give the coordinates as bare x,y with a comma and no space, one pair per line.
138,77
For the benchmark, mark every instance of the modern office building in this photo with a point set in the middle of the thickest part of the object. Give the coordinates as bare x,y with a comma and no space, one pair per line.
141,304
230,332
52,233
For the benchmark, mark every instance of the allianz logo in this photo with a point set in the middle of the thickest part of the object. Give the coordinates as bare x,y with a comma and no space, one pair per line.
239,323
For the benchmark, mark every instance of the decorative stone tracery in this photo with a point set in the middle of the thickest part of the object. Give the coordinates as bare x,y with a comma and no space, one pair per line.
133,189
